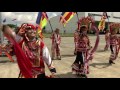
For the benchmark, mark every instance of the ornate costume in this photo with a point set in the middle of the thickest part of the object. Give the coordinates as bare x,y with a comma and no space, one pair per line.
84,49
6,49
114,42
56,40
32,52
76,35
107,40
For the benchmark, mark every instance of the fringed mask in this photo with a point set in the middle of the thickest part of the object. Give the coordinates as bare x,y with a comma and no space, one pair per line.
114,27
85,23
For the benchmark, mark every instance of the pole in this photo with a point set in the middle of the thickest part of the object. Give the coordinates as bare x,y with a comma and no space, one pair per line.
1,34
108,22
64,29
50,25
77,16
16,23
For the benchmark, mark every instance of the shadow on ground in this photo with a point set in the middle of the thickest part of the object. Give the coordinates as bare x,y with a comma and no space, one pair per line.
67,75
101,51
105,65
63,56
6,61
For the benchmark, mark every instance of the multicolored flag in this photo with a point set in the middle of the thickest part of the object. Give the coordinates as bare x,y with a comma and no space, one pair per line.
66,16
42,20
101,25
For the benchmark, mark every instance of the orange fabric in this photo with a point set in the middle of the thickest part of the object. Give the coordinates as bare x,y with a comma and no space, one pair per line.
9,56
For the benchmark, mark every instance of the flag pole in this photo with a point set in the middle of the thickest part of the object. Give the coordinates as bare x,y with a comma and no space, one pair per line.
108,21
50,25
77,16
64,29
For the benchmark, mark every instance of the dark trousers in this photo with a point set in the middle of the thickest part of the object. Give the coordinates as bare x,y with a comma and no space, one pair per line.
79,58
41,76
111,48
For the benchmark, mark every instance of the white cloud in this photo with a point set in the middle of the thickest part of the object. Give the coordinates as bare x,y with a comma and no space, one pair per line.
24,17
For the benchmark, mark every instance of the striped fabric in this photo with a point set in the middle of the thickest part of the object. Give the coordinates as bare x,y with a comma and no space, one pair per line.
42,20
66,17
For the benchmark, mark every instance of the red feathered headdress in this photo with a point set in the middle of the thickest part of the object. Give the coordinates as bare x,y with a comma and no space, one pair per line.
85,21
30,26
114,27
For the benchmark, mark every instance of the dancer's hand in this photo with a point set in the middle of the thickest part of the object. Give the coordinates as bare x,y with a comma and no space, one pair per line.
90,57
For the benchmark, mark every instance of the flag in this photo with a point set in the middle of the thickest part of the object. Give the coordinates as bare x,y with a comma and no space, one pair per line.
41,21
14,19
66,16
101,25
4,20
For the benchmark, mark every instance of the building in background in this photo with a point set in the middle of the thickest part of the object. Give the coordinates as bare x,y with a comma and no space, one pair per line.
1,34
72,24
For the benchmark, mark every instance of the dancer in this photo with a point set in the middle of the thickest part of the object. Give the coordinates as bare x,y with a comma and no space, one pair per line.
56,40
6,50
114,42
107,39
84,48
31,53
76,35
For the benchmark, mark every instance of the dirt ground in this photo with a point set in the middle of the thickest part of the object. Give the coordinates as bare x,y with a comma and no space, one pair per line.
99,67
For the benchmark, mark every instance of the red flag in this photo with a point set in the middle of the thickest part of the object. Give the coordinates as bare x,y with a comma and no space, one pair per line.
66,16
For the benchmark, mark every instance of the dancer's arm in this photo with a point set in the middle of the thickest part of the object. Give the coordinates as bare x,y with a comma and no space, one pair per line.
48,61
10,34
7,31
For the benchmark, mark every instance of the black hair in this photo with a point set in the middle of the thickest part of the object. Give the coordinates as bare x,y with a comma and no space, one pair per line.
82,28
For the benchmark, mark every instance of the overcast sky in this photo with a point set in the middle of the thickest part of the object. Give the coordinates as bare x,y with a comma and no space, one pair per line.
30,17
23,17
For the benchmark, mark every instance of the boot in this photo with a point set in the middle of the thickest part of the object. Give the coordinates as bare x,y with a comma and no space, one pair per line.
83,75
111,62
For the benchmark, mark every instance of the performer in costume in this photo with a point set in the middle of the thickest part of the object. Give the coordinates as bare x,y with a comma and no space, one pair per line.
107,34
76,35
114,42
6,49
10,46
56,40
32,52
84,49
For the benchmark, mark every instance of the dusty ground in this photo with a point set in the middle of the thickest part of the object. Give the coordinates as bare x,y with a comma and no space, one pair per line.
99,67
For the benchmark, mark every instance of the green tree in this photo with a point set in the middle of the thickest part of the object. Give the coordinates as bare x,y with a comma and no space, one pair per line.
12,25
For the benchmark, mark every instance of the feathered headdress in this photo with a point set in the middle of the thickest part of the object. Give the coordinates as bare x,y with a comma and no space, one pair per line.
114,26
28,26
85,21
